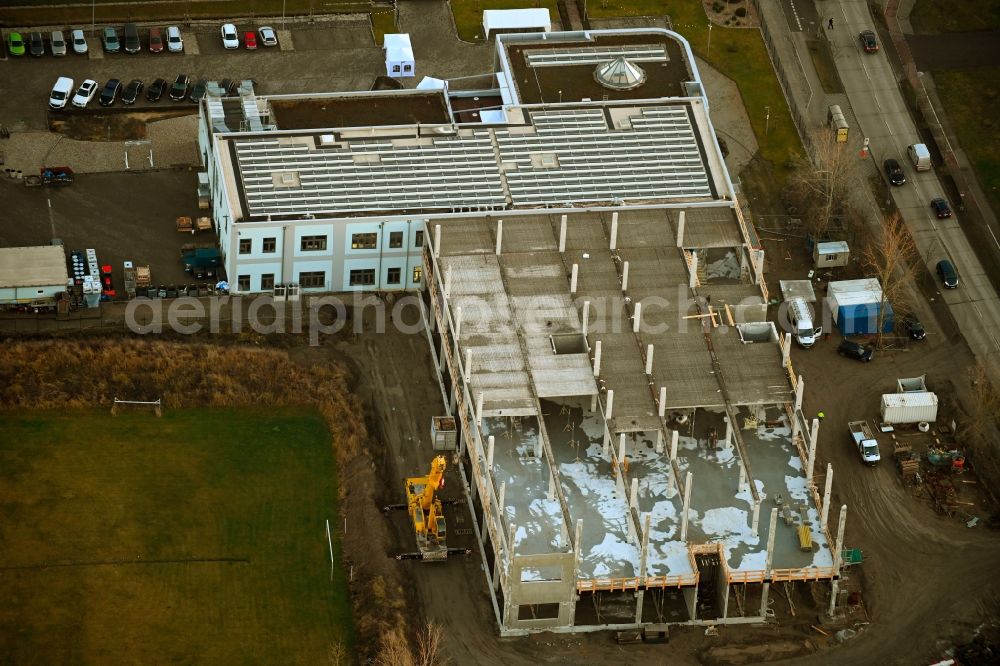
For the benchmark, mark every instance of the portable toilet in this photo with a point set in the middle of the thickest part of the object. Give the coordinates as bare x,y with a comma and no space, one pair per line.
831,254
837,122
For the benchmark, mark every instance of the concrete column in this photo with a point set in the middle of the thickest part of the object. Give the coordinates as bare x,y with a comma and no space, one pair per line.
671,481
693,278
743,476
625,276
834,583
643,557
796,429
490,444
799,388
586,316
662,406
680,229
621,448
447,282
826,495
458,323
572,279
609,405
729,433
633,498
637,318
437,240
597,359
786,348
614,230
767,567
501,498
687,506
756,517
538,448
468,365
659,441
649,360
675,436
499,236
562,234
479,408
606,444
552,487
593,403
577,547
811,460
452,400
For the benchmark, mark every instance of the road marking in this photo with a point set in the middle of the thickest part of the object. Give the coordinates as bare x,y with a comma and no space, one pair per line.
795,14
993,234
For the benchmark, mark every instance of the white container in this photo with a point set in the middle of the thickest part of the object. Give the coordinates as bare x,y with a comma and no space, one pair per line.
909,407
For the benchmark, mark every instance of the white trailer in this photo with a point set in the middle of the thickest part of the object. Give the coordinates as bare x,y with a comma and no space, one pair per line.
864,441
911,407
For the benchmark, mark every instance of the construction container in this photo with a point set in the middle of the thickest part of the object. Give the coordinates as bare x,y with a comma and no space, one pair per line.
831,254
855,306
443,433
914,407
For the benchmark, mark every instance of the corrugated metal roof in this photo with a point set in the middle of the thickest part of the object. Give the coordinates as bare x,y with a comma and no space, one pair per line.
39,266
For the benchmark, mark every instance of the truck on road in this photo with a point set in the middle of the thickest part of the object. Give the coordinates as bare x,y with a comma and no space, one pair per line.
865,441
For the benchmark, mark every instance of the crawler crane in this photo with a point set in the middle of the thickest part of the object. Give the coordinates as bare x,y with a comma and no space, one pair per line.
426,516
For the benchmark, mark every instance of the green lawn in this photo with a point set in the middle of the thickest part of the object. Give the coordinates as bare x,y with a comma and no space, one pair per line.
469,13
231,503
970,97
934,16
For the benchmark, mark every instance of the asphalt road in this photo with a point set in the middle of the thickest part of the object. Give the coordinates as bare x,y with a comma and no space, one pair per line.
883,117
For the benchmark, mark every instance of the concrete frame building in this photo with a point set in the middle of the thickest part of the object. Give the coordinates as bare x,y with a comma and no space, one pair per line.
631,436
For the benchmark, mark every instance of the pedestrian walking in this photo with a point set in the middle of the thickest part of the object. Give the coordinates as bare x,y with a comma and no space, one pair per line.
829,24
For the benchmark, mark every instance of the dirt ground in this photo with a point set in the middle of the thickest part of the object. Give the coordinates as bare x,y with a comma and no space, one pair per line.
349,112
112,125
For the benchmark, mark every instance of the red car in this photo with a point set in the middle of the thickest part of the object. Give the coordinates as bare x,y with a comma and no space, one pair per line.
250,40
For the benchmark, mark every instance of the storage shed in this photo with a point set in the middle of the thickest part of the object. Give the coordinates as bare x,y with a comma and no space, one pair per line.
831,254
32,275
399,61
855,306
515,20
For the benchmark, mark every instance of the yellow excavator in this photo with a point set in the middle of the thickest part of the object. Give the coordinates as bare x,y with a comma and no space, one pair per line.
426,515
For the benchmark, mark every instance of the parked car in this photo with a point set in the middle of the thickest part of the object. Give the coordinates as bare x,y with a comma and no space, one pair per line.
110,39
949,276
86,93
267,36
868,41
132,92
61,92
110,92
855,350
155,90
79,41
155,40
199,90
941,208
175,43
36,44
913,327
179,89
57,43
894,172
131,37
250,40
230,38
15,44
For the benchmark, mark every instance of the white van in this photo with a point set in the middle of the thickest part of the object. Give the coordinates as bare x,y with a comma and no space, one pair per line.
801,318
61,92
919,156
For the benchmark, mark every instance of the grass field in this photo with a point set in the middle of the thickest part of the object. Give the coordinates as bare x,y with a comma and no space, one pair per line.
197,537
931,16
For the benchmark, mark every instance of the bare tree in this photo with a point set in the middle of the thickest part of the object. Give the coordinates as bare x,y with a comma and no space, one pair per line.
337,654
394,650
890,257
430,646
821,186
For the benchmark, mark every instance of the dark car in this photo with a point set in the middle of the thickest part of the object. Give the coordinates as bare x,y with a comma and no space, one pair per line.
155,40
132,42
894,172
868,41
913,327
110,92
132,91
949,276
36,44
155,90
179,90
198,90
857,351
941,208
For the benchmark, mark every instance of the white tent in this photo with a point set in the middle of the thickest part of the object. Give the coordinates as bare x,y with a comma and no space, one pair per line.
509,20
399,60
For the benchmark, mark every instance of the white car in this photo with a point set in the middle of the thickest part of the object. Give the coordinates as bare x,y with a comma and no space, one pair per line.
60,92
86,93
79,41
267,36
57,43
230,38
175,43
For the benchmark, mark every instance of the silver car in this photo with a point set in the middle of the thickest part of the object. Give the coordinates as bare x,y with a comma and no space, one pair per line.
57,43
79,41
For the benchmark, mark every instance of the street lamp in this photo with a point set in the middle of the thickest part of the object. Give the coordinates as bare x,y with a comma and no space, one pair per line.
767,119
709,49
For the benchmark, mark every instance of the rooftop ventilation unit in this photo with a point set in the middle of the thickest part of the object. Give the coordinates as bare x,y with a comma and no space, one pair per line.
619,74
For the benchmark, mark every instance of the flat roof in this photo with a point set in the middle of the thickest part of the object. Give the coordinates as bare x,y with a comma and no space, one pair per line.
37,266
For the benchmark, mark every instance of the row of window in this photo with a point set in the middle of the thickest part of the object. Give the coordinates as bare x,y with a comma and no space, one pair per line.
317,279
365,241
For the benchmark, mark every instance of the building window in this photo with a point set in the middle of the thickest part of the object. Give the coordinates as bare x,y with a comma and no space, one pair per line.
243,283
312,279
267,282
246,245
418,240
395,68
395,239
392,275
270,245
313,243
418,273
362,277
364,241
